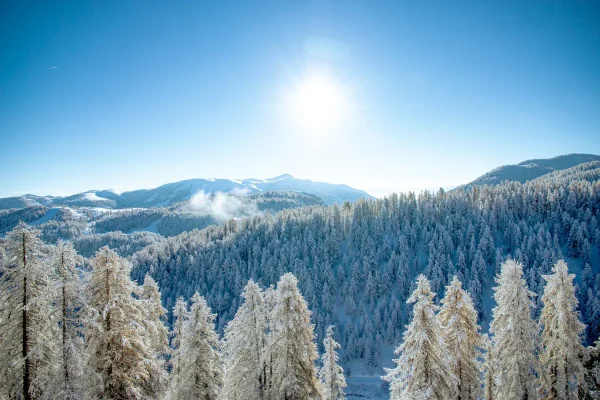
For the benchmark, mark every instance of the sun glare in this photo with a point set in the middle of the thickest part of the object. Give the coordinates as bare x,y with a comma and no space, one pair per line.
318,104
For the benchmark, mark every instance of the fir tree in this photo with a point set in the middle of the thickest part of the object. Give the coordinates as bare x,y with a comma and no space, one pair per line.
243,348
201,372
118,350
331,374
292,351
180,317
515,335
423,368
71,302
561,369
460,331
157,335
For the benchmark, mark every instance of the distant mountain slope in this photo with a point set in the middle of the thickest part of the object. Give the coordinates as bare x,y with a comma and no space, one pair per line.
531,169
172,193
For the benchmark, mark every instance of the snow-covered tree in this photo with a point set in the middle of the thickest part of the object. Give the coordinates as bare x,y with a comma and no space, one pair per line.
29,351
423,368
458,320
515,335
292,350
116,334
157,335
331,374
489,369
180,317
71,304
561,369
243,348
201,372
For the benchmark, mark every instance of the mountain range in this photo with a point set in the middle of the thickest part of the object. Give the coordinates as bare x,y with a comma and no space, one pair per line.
177,192
172,193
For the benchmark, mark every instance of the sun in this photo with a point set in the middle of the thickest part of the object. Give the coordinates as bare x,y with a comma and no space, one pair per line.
318,104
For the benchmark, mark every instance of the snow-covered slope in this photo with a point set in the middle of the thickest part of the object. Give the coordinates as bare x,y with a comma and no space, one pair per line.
531,169
177,192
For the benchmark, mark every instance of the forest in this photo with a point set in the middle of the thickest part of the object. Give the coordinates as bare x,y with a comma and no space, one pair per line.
370,269
67,333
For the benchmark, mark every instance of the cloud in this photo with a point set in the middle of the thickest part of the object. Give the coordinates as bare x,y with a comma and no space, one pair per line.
53,67
223,206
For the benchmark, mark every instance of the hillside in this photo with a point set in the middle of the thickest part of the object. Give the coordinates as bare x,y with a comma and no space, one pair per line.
357,263
531,169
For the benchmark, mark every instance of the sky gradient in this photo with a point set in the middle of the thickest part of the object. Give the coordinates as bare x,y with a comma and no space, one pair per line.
135,94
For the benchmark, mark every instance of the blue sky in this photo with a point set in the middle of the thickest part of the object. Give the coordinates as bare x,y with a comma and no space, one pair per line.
135,94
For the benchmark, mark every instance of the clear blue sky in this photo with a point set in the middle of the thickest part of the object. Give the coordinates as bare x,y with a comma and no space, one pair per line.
134,94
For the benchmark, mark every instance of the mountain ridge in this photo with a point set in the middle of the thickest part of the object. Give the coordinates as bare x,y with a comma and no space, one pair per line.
175,192
531,169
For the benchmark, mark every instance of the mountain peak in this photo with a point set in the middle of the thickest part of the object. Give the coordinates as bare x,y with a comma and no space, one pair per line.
280,177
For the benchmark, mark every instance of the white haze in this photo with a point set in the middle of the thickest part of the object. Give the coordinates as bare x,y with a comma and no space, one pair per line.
223,206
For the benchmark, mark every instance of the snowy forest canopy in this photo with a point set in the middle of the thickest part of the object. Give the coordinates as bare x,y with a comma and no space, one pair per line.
357,263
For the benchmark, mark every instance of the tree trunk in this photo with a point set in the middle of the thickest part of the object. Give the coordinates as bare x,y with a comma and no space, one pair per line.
25,338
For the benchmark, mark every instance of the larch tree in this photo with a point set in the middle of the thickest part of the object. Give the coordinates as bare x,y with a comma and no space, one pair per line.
180,317
244,348
28,326
423,368
71,303
458,320
116,334
201,372
331,374
292,349
489,369
515,335
157,335
561,369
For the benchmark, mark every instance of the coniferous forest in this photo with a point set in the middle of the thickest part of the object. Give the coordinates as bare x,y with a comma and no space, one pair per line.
485,293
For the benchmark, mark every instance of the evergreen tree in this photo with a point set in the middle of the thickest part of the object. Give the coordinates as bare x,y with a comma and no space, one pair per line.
244,348
71,303
561,369
423,368
489,369
292,350
157,335
201,373
331,374
515,335
118,349
458,320
29,354
180,317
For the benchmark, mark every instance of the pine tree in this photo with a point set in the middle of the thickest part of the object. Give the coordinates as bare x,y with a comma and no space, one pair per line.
331,374
515,335
116,343
561,369
244,348
71,303
423,368
157,335
292,350
489,369
201,373
460,331
30,349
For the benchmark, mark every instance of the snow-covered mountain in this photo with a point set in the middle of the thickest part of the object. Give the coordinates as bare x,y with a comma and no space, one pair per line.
172,193
531,169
